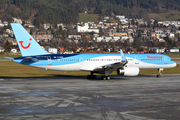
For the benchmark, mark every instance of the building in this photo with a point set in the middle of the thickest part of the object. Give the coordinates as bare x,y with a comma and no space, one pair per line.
51,50
74,36
174,50
85,28
2,49
44,37
158,50
14,51
15,20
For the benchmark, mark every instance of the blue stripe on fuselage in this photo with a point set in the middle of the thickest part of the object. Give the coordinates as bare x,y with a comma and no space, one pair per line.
45,57
157,59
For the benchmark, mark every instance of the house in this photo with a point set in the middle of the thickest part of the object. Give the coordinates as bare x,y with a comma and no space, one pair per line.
130,39
106,18
1,25
85,28
51,50
47,26
123,38
44,37
15,20
2,49
14,51
74,36
119,34
106,38
99,38
174,50
120,16
171,35
116,38
158,50
123,20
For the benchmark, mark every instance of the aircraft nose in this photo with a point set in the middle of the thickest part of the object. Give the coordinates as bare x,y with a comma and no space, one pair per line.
175,64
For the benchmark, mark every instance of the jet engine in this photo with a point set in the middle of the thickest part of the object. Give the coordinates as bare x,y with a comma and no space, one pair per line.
128,71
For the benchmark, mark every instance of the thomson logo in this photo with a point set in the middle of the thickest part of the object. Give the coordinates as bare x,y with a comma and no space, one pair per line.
154,57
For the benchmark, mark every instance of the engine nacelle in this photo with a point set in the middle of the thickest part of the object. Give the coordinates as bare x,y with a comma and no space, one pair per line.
128,71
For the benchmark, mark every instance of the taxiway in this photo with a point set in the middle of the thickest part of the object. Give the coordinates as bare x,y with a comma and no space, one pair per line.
74,98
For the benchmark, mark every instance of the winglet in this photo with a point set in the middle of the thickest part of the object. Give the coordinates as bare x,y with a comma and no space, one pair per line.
123,56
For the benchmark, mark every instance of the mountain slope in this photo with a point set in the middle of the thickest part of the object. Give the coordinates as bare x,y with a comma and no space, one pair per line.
67,11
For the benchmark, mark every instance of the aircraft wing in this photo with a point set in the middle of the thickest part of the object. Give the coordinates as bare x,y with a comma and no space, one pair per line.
102,66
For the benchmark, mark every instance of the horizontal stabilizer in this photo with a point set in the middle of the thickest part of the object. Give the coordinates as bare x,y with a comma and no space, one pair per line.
9,58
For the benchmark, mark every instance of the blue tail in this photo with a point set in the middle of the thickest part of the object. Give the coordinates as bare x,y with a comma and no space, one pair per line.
123,56
28,46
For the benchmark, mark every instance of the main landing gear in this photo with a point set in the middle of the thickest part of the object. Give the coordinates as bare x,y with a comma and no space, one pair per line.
91,76
107,71
94,77
105,78
159,72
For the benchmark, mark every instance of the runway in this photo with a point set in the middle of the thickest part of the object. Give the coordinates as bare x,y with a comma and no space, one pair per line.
76,98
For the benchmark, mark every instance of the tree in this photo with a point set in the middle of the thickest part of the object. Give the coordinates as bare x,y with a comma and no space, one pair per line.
1,31
37,22
133,22
7,46
139,34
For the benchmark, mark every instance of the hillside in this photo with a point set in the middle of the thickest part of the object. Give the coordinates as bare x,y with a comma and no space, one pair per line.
67,11
171,15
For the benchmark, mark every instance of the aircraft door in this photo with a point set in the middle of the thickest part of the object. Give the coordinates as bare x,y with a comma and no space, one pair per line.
81,61
165,60
136,60
49,62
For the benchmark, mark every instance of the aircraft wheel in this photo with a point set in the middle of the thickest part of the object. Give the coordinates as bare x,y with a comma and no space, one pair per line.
107,78
91,77
88,77
103,78
158,76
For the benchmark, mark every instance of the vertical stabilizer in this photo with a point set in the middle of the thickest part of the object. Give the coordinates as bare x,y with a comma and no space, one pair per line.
27,44
123,56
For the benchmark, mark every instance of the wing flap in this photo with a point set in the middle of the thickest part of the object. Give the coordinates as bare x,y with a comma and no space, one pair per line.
93,67
101,66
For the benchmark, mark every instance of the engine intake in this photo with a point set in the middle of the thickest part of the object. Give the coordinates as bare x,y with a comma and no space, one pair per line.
128,71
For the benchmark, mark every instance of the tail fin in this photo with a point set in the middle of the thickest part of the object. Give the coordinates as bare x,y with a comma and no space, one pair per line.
123,56
27,44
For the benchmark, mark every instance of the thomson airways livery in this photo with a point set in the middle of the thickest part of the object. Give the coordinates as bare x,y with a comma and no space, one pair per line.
125,64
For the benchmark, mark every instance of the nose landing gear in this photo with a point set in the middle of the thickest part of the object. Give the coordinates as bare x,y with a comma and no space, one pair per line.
159,72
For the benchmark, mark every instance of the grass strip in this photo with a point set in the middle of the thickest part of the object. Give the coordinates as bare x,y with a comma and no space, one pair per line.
10,69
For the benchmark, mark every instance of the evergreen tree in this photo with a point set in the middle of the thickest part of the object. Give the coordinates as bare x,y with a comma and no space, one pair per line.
37,22
7,46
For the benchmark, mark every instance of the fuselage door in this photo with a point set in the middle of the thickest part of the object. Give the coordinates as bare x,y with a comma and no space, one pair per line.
49,62
165,60
81,61
136,60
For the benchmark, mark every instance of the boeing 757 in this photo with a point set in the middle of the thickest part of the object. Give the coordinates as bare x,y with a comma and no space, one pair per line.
125,64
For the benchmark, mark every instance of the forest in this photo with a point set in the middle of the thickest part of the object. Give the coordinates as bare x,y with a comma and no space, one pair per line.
67,11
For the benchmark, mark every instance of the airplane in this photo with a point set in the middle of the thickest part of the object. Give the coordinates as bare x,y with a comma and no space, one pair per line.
125,64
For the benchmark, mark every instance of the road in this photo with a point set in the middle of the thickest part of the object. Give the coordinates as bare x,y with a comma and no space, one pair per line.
75,98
